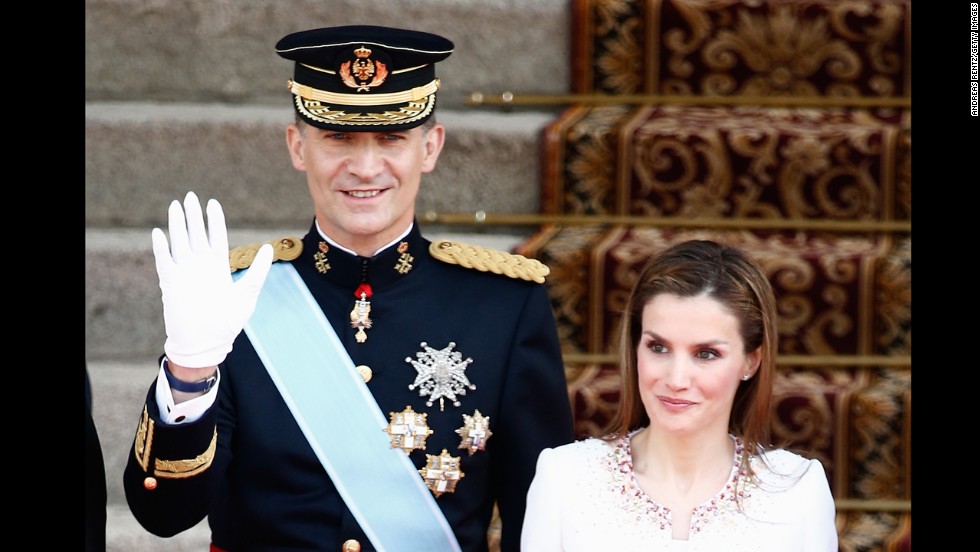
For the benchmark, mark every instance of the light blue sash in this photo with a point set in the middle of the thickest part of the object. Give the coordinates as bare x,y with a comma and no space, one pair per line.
340,418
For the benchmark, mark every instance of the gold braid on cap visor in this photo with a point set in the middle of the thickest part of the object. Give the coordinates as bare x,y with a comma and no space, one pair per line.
413,95
406,113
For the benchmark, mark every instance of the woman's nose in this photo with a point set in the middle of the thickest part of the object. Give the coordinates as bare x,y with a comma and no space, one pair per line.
678,374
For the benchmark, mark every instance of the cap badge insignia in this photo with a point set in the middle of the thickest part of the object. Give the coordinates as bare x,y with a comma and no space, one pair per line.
475,432
441,374
321,264
441,473
359,315
408,430
363,73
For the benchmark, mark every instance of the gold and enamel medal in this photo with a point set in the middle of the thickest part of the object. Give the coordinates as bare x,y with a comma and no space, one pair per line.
360,315
408,430
475,432
441,473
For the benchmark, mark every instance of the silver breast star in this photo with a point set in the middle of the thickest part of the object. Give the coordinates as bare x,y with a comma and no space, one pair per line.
441,374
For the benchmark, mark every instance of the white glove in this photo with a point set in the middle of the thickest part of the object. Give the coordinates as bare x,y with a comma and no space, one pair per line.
204,309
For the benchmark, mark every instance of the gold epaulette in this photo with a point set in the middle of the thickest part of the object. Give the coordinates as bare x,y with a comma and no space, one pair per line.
283,249
489,260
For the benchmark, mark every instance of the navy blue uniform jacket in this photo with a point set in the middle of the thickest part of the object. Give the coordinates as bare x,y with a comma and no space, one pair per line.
266,490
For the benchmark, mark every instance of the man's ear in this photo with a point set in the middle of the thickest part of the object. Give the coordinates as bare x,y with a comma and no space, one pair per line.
294,142
434,139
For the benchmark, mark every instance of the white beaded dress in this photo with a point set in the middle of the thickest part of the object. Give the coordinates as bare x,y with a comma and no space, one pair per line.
584,497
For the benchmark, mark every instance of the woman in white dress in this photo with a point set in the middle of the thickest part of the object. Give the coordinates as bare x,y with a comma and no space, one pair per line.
687,464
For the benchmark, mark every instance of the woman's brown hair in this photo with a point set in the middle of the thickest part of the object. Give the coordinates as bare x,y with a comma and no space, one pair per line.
731,277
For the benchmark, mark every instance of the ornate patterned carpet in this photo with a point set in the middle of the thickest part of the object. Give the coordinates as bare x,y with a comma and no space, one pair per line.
798,152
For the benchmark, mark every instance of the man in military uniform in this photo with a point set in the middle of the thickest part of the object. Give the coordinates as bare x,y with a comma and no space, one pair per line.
386,392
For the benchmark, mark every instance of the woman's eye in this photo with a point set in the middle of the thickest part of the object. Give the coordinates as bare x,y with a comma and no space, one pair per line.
707,355
658,348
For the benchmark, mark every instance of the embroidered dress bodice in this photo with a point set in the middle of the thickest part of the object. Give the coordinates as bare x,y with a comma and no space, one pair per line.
586,497
623,480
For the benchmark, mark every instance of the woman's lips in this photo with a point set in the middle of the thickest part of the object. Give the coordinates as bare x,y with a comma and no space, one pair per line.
674,404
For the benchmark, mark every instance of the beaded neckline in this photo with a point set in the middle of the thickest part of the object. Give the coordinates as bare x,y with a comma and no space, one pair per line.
644,508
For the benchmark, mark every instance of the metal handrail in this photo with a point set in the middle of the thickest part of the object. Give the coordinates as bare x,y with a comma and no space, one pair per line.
873,505
482,218
521,99
896,361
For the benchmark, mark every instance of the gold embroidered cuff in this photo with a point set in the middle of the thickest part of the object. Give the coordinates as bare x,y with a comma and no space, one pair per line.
169,469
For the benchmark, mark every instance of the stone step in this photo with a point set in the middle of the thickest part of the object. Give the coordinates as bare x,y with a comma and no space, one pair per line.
190,95
140,156
224,51
125,534
118,391
123,309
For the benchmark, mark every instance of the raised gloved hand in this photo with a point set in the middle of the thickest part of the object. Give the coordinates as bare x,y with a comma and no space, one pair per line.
204,309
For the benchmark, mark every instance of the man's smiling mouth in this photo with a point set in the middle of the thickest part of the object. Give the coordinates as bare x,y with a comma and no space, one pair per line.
363,193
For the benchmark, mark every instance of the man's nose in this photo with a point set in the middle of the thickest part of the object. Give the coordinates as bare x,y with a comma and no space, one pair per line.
365,160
